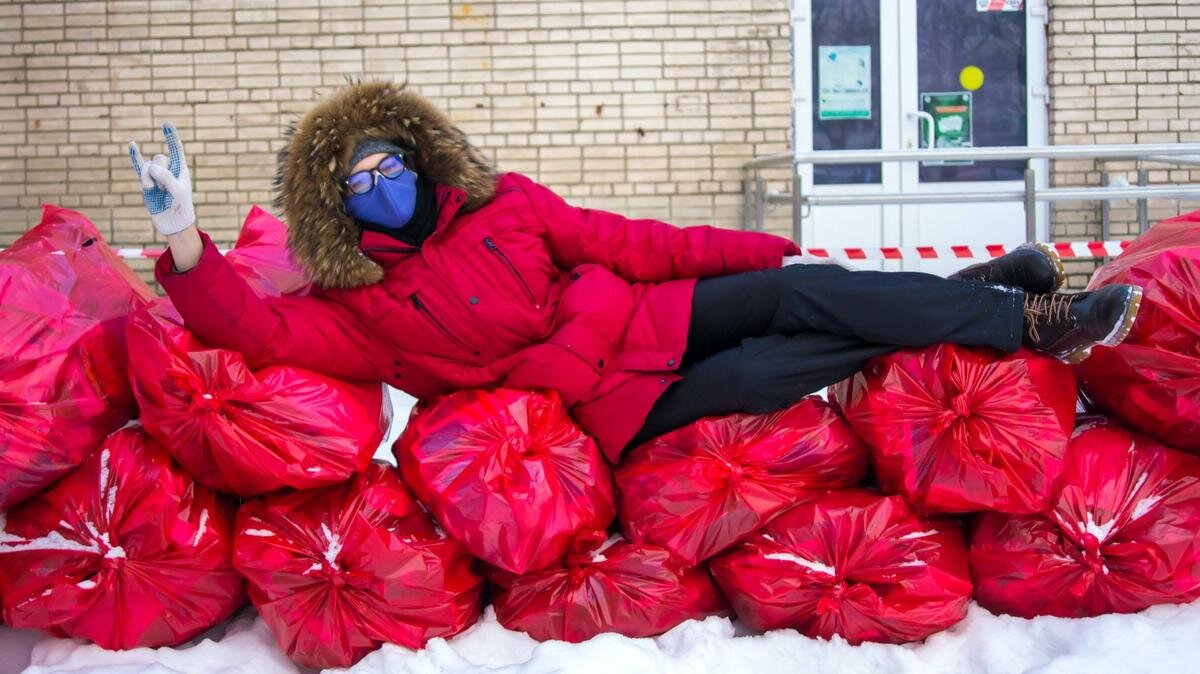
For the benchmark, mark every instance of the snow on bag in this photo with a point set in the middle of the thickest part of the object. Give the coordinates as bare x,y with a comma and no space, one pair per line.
606,584
959,429
507,473
702,488
335,572
1120,536
1152,380
250,431
64,295
854,564
125,551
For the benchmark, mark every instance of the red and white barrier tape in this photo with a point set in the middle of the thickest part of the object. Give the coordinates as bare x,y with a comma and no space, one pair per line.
1066,250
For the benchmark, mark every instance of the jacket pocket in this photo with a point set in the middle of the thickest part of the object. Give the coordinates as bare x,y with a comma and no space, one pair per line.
423,309
512,268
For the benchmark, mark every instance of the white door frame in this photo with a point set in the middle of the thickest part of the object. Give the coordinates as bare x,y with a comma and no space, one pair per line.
1036,106
803,111
898,82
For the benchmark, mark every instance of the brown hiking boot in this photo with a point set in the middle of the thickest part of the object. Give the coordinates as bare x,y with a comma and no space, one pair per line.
1067,326
1033,267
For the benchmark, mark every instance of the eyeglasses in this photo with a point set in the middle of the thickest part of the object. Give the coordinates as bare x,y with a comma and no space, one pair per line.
361,182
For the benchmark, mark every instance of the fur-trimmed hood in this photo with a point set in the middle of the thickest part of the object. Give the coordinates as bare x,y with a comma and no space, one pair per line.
323,238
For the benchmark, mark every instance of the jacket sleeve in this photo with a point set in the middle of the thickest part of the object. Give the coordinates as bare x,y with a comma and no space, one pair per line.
648,250
220,308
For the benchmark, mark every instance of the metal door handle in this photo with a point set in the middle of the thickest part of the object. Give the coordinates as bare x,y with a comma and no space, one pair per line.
922,115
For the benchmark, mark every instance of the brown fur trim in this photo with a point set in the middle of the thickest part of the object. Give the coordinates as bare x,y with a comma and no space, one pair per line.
321,236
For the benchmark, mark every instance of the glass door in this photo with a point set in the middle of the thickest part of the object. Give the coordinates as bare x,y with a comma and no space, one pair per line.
966,82
851,80
906,74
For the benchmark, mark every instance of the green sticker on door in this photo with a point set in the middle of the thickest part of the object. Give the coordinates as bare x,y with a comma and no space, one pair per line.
844,82
951,112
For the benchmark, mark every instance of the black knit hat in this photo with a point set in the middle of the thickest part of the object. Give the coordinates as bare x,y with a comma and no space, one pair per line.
369,146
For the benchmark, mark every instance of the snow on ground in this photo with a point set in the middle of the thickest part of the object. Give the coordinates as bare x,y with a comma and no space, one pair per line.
1161,639
402,405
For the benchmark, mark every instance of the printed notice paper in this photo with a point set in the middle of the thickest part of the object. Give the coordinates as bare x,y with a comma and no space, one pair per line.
844,82
999,5
952,121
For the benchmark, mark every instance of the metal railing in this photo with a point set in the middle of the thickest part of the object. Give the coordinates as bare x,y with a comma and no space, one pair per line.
756,197
1143,179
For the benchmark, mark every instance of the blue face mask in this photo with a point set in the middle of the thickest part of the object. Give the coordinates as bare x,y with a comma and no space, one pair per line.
389,204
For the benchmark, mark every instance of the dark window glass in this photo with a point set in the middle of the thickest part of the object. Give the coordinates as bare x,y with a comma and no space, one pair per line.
846,23
952,35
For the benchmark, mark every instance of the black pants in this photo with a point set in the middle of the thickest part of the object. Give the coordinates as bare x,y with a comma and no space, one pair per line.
760,341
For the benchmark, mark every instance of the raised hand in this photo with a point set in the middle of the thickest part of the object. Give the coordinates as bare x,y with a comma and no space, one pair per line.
166,184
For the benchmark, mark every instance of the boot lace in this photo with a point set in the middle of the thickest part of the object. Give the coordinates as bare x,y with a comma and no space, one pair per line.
1047,308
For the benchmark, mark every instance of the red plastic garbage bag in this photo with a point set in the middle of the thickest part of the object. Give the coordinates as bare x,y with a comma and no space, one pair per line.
64,295
1121,534
956,429
507,473
862,566
336,572
1152,380
125,551
702,488
243,431
261,256
606,584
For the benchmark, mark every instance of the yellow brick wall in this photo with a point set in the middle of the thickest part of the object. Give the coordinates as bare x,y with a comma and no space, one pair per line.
1121,71
645,107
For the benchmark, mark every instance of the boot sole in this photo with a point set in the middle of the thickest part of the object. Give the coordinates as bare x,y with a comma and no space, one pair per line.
1119,332
1060,271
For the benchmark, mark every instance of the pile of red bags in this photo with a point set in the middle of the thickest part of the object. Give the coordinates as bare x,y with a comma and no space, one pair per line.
605,584
850,563
1152,380
507,473
130,549
1120,535
126,550
335,572
957,429
64,295
700,489
250,431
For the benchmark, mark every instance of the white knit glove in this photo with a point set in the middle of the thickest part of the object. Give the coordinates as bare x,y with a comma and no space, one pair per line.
166,184
812,259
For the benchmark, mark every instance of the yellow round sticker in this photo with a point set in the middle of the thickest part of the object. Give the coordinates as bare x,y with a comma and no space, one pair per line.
971,78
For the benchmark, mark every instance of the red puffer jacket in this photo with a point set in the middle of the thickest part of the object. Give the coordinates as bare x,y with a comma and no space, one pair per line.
524,292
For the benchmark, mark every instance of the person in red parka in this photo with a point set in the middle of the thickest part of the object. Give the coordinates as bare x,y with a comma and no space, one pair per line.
434,273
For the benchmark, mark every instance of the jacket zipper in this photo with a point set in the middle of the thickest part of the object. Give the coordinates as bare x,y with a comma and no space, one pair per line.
491,245
438,324
391,249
